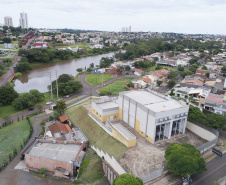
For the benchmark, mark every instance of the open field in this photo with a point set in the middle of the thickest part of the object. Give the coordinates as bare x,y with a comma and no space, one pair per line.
152,68
7,110
12,136
96,135
116,87
91,171
96,79
62,45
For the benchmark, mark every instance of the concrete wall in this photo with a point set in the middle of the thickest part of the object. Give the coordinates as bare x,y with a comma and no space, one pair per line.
109,172
110,160
122,139
205,134
105,117
49,164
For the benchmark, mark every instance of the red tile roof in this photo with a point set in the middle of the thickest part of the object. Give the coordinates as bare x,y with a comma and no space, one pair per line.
59,127
148,80
202,71
63,118
139,71
195,82
215,99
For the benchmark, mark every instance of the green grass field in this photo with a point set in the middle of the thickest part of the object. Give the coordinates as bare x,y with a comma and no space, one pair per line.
152,68
96,135
116,87
91,171
96,79
81,45
12,136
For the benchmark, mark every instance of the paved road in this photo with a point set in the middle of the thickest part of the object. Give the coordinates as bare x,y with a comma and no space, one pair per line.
216,170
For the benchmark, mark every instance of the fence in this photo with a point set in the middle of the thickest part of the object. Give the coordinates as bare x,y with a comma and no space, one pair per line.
209,134
110,160
152,175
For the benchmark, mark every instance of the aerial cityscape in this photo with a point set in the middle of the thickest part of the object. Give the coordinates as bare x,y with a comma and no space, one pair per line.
112,93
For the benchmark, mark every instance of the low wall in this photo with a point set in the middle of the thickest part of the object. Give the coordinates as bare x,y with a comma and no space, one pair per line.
209,134
110,160
100,123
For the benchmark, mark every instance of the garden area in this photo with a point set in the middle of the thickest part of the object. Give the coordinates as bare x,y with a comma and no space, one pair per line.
96,78
116,87
95,134
152,68
12,139
91,171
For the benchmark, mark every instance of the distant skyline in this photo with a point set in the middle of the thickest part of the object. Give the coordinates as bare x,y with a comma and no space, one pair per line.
179,16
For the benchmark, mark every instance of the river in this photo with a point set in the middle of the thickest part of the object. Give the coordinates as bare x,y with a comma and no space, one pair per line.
39,78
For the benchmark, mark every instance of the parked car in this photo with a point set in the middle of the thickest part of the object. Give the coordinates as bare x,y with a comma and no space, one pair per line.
67,96
30,109
48,103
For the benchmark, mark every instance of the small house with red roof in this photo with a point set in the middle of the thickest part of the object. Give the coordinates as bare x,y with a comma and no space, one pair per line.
138,72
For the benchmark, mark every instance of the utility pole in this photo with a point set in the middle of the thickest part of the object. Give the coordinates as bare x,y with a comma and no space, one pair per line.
102,79
51,86
56,83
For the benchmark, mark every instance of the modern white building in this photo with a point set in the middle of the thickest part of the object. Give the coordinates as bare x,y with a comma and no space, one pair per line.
8,21
23,20
152,115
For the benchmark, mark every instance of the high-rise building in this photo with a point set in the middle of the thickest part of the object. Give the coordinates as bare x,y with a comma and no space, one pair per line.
130,28
23,20
8,21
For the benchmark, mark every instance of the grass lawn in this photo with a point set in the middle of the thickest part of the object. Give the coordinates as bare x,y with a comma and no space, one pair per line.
116,87
96,135
12,136
15,42
95,79
91,171
7,110
152,68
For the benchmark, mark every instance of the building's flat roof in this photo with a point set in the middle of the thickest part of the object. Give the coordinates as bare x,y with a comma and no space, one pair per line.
55,151
107,105
164,106
123,131
144,97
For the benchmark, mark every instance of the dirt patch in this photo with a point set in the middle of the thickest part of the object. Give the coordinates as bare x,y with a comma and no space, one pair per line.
144,158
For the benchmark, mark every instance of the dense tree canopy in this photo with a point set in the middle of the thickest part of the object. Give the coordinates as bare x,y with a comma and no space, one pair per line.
211,119
64,78
223,68
171,83
39,96
26,100
127,179
61,105
184,159
7,94
23,66
106,61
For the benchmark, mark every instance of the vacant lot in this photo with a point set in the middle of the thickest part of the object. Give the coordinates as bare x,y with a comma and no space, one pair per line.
96,79
12,136
116,87
152,68
96,135
91,171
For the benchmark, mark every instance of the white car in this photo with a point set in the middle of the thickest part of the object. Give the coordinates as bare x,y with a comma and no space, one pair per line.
67,96
48,103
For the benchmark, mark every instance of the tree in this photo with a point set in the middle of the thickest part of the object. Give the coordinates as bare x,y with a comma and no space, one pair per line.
127,179
207,74
171,83
23,66
204,68
193,60
6,40
39,96
180,68
127,68
158,67
184,159
64,78
185,73
27,100
172,74
7,94
159,82
223,68
61,105
79,70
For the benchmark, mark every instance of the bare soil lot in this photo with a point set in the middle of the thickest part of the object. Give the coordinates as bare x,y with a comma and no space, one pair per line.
145,157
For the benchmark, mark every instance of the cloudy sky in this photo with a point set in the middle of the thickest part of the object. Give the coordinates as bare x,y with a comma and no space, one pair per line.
180,16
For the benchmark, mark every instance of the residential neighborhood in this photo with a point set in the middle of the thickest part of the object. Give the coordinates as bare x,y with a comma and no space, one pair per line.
90,106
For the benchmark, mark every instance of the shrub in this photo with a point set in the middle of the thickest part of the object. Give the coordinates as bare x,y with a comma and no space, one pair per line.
43,170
